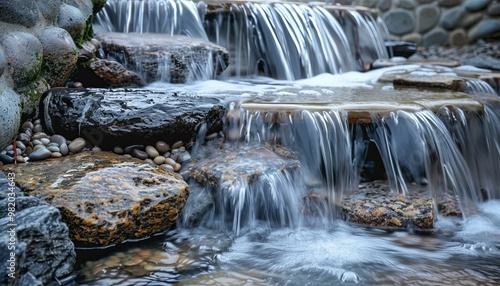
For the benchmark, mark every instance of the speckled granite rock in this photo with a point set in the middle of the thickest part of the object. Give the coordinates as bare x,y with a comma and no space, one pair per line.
105,198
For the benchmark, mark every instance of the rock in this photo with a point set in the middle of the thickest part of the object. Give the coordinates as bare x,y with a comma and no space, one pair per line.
162,147
494,9
159,160
476,5
152,152
31,94
59,55
471,19
399,21
139,154
376,206
127,116
427,17
406,4
49,9
435,81
39,154
24,56
104,73
484,28
43,248
458,38
56,138
77,145
27,124
400,48
10,117
131,148
63,148
72,20
451,18
24,12
486,62
436,37
177,144
449,3
105,198
6,159
161,57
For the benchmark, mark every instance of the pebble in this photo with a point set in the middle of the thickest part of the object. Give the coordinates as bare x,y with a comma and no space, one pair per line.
59,139
39,154
118,150
63,148
149,161
23,137
20,145
77,145
45,141
38,146
170,161
6,159
152,152
158,160
162,147
139,154
183,157
77,84
177,145
36,142
38,128
167,167
96,149
130,148
39,135
177,167
54,148
19,159
53,144
27,124
38,121
28,132
56,155
127,156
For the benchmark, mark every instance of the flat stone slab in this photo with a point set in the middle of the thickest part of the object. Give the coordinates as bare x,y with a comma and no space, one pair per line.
374,205
105,198
161,57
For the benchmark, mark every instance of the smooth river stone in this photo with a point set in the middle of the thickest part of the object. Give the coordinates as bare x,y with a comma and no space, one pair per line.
130,148
152,152
36,142
45,141
162,147
37,128
177,145
118,150
77,145
159,160
139,154
27,124
59,139
39,154
54,148
6,159
170,161
64,149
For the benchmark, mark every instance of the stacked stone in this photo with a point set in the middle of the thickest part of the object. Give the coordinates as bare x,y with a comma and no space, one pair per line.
437,22
37,52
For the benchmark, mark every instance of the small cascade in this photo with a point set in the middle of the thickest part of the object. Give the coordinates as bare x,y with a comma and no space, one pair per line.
477,86
171,17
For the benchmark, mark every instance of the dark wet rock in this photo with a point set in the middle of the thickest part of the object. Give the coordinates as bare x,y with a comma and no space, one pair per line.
6,159
451,18
161,57
484,28
10,117
436,37
400,48
107,118
104,73
43,249
24,56
39,154
22,12
376,206
59,55
476,5
105,198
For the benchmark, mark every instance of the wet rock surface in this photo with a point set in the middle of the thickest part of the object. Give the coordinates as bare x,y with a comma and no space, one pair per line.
163,57
105,198
43,250
374,205
126,116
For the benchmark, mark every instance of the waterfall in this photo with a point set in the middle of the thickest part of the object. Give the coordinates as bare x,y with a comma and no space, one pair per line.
281,40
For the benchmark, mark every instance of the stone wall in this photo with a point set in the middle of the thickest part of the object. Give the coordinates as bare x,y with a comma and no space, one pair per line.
437,22
38,51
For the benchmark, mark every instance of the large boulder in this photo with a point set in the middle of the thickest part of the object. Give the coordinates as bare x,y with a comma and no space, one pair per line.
34,241
105,198
161,57
10,116
128,116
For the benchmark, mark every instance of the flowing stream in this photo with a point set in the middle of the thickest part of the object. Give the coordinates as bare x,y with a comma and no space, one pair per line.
258,232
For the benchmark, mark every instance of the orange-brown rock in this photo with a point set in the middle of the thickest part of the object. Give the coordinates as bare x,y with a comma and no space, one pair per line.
105,198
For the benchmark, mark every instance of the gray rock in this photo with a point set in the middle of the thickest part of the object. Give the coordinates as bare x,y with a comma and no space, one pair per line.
485,28
128,116
3,61
6,159
85,6
56,138
139,154
471,19
24,56
494,9
436,37
39,154
10,116
451,18
399,21
427,17
476,5
22,12
64,149
449,3
161,57
43,248
458,38
72,20
406,4
59,55
49,9
77,145
486,62
31,94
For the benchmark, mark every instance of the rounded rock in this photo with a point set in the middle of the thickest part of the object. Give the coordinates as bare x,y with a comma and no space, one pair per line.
177,167
177,145
21,145
49,9
449,3
6,159
162,147
71,19
428,16
59,55
451,18
118,150
39,154
23,137
38,147
96,149
159,160
53,144
476,5
494,9
64,149
211,136
458,38
130,148
149,161
37,142
19,159
77,84
27,124
56,155
399,21
152,152
59,139
170,161
10,117
45,141
38,128
167,167
77,145
436,37
24,13
53,149
24,56
484,28
139,154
